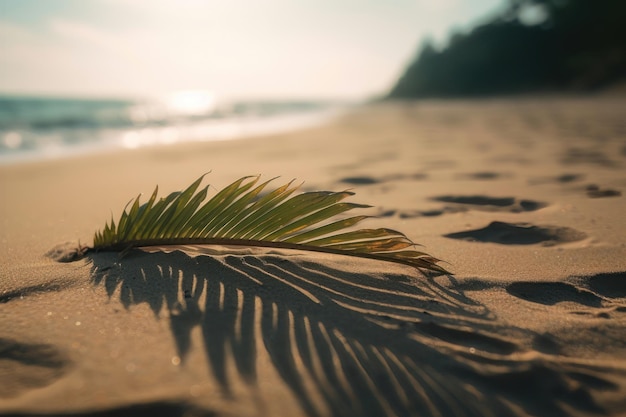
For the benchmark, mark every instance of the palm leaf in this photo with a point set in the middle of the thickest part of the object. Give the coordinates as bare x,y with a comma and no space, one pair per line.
241,215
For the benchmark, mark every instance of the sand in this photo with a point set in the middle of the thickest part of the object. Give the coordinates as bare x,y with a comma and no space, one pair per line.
523,198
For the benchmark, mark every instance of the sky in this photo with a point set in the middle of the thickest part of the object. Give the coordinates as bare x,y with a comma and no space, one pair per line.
289,49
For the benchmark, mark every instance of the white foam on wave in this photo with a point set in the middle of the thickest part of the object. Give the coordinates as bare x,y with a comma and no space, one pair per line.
59,143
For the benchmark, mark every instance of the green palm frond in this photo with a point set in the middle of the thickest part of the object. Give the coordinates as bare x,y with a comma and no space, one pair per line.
241,214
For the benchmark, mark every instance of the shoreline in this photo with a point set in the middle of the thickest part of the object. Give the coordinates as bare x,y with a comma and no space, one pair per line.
212,129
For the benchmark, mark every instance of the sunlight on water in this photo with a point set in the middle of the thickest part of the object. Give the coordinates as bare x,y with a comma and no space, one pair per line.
40,127
191,102
12,140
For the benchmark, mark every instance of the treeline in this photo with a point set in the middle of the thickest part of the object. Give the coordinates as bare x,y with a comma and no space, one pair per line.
574,45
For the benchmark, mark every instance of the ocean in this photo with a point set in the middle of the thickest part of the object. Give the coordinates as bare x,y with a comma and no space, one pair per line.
33,128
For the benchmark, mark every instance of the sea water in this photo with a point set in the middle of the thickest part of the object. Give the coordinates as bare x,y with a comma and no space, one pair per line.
34,128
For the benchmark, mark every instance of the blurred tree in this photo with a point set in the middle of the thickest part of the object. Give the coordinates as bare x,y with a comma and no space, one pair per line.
533,45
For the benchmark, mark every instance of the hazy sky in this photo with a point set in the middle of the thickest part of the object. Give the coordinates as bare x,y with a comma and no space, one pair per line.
240,48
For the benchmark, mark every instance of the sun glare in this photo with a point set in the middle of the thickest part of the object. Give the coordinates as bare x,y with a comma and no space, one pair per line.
191,102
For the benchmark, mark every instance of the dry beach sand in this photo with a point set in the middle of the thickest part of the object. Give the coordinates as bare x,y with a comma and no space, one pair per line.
524,198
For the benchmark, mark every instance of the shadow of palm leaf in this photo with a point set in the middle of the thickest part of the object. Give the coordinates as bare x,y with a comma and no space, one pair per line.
366,345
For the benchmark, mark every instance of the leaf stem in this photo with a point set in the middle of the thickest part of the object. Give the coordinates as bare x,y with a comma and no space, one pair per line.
422,263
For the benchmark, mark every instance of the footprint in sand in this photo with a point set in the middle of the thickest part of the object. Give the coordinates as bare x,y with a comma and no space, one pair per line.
364,180
482,175
461,203
611,285
576,156
552,293
560,179
367,180
520,234
597,295
593,191
481,202
567,178
430,213
26,366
